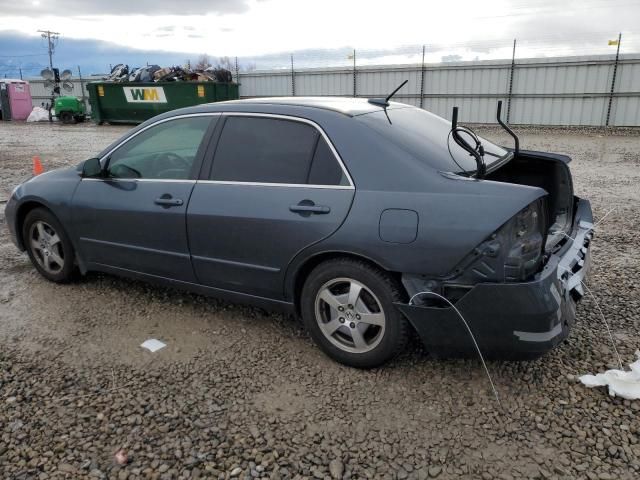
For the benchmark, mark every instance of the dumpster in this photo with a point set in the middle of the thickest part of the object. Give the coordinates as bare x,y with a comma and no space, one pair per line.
118,102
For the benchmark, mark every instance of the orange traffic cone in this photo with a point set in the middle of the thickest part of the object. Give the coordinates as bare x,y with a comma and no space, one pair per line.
37,165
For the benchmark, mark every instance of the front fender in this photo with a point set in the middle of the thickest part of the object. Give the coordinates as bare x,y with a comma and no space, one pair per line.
53,190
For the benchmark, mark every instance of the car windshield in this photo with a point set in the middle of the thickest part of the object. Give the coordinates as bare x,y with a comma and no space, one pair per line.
426,137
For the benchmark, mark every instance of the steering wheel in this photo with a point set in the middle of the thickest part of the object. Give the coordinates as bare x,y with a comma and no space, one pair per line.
172,165
173,160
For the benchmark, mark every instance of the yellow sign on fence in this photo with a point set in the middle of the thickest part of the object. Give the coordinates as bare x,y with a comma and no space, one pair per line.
201,91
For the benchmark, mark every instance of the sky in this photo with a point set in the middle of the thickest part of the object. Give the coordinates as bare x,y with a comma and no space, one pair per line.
264,33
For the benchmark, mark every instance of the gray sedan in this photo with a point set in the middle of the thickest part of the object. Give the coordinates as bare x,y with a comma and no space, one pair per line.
371,220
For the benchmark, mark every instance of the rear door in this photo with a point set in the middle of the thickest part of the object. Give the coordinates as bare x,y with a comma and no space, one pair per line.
275,186
135,218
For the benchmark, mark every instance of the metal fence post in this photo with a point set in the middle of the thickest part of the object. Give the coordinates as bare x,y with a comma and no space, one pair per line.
20,68
422,80
513,67
238,77
293,79
613,81
84,100
354,72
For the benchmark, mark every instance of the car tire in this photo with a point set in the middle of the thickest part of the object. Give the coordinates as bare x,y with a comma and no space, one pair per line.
346,335
48,246
67,118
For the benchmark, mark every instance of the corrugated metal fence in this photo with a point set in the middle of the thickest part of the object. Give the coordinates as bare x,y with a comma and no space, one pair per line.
542,91
41,95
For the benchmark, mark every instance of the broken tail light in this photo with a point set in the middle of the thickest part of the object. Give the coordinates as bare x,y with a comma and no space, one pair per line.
513,253
524,237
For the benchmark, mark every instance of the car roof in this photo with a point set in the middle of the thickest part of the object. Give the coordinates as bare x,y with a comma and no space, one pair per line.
350,106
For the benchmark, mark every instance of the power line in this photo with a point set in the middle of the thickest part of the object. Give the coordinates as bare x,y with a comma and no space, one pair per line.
27,55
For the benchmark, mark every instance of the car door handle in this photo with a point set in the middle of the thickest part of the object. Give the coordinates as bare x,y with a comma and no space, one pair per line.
309,208
167,201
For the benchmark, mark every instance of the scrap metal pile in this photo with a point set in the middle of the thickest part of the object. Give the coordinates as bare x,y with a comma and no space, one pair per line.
154,73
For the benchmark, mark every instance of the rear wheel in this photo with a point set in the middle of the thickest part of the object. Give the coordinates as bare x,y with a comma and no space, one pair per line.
347,306
48,246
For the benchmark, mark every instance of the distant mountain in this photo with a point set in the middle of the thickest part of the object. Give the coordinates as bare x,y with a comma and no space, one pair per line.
18,51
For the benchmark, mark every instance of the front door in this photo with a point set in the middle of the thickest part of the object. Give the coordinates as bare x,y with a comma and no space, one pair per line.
134,218
275,187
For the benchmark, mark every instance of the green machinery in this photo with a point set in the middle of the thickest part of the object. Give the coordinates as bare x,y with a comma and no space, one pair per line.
69,109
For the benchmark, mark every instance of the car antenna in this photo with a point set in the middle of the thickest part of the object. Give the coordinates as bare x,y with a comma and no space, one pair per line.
508,130
384,102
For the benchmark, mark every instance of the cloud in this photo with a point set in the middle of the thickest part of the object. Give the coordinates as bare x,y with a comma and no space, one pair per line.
122,7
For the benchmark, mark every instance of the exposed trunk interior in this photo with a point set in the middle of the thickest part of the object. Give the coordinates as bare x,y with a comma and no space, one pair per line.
550,172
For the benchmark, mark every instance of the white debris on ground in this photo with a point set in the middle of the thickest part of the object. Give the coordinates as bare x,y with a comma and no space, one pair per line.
38,114
621,383
153,345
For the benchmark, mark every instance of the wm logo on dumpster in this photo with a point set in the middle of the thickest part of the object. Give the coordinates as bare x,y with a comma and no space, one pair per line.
144,94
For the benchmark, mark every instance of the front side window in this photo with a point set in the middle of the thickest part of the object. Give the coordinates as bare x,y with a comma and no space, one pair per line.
164,151
272,150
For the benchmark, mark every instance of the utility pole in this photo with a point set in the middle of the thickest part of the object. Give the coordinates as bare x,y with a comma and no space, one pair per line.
52,38
84,101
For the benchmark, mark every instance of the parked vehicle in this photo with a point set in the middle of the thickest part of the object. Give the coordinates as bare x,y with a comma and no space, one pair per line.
69,109
369,219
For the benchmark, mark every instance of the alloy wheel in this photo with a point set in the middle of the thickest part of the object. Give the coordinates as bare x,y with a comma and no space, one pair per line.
46,247
349,315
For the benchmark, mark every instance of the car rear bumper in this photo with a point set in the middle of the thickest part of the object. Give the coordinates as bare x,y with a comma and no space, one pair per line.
513,320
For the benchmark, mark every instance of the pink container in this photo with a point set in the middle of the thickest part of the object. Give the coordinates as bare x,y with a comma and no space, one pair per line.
19,99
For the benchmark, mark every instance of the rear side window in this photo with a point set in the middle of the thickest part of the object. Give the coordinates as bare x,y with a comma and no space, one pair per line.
264,150
325,170
271,150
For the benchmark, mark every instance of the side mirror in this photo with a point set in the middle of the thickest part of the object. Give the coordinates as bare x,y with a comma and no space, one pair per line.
92,168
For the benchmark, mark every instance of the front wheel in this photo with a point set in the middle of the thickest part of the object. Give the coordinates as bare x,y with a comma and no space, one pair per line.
48,246
347,306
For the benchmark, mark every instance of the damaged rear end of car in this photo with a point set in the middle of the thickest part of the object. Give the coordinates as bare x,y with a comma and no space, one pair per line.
517,289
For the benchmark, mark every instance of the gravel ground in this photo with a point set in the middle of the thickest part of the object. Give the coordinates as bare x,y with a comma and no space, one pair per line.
239,392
